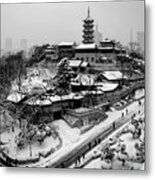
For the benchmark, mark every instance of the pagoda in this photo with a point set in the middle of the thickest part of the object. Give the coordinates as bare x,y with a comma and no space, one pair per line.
88,32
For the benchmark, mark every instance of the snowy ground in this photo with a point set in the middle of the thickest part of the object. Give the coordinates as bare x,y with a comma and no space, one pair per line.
30,150
71,138
139,93
69,135
99,164
126,139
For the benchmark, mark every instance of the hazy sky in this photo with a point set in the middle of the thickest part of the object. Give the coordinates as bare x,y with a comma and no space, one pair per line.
57,22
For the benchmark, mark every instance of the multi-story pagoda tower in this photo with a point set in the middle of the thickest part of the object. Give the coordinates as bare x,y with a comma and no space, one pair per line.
88,32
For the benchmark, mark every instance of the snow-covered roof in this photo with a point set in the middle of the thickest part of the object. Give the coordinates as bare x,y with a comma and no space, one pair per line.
109,48
106,40
84,79
86,46
74,63
104,58
40,102
106,48
89,80
84,64
105,86
95,92
50,47
51,99
88,19
79,96
139,60
77,63
66,44
113,75
15,97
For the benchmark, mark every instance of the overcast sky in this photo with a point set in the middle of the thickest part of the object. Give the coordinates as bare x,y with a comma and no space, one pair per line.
60,22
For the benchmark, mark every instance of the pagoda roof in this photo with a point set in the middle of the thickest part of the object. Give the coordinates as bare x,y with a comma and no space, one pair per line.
88,30
88,25
88,36
88,19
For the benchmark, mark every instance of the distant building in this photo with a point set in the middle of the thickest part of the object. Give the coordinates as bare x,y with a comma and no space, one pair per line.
8,44
23,44
2,52
88,32
97,36
140,40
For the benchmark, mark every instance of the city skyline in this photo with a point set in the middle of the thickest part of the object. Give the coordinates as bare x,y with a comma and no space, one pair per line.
63,21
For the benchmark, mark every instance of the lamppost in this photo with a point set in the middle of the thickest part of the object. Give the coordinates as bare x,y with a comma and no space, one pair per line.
30,148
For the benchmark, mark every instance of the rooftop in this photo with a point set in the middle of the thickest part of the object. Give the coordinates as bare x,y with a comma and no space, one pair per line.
84,79
66,44
75,63
113,75
107,40
87,46
15,97
106,86
84,64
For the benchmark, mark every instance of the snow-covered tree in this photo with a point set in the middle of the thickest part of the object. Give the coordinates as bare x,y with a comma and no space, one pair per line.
63,77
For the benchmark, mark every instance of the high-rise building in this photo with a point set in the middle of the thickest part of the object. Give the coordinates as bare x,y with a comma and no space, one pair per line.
140,40
23,44
8,44
2,52
88,32
97,36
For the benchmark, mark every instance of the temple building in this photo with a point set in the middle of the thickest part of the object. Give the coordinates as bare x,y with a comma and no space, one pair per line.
66,49
51,53
87,52
108,50
100,54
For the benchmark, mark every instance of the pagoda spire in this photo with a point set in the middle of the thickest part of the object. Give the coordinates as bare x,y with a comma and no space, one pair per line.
88,12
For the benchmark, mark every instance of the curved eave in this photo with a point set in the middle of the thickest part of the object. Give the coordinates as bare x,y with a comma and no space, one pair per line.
88,20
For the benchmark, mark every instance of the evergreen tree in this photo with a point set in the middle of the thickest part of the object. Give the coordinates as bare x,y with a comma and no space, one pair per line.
63,77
